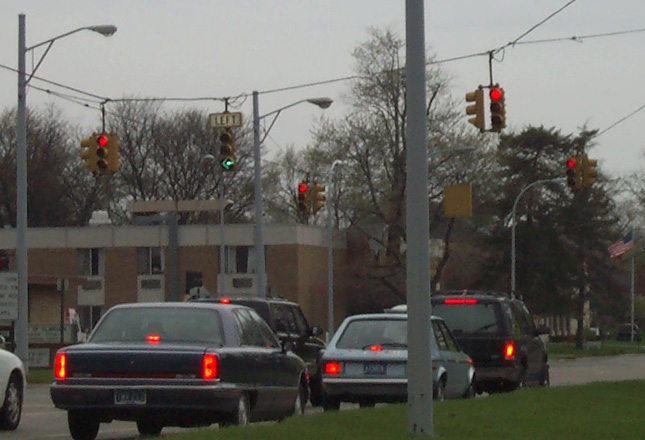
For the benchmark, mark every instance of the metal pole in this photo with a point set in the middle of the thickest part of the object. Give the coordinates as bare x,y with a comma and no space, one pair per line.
259,239
330,261
632,289
22,344
418,228
530,185
222,254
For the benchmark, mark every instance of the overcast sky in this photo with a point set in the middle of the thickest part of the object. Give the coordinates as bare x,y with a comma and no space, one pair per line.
223,48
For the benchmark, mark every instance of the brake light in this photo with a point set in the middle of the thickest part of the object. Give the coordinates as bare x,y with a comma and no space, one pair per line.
225,300
509,351
332,368
375,348
60,366
153,339
460,301
209,367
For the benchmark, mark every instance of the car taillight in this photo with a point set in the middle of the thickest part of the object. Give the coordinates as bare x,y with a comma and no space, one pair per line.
60,366
375,348
153,339
509,351
460,301
209,366
332,367
224,301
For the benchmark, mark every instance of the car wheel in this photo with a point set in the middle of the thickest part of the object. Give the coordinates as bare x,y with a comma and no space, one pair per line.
149,427
545,378
82,425
439,392
242,414
299,404
470,392
330,403
12,407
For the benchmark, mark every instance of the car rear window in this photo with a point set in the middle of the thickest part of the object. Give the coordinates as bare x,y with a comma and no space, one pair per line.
470,317
362,333
177,325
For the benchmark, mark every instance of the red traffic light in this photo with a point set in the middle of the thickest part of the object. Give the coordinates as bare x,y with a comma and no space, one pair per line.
102,141
302,188
571,162
495,94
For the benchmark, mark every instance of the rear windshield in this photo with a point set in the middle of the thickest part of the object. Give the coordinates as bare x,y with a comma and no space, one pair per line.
479,317
162,324
360,334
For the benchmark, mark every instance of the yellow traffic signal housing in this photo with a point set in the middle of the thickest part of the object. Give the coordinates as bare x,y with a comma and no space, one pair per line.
302,199
497,109
88,153
113,153
589,171
476,109
574,175
102,153
227,149
317,197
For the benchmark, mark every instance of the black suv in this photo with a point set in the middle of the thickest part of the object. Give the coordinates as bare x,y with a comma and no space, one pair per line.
288,322
498,333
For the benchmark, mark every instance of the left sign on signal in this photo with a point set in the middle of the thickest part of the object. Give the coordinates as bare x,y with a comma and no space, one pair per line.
221,120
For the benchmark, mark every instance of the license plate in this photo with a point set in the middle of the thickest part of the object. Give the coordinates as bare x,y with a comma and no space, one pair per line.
130,397
373,368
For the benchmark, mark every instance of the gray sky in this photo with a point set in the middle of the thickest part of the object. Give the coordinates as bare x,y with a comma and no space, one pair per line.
207,48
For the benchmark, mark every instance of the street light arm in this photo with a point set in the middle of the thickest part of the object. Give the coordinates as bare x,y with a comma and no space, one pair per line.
105,30
320,102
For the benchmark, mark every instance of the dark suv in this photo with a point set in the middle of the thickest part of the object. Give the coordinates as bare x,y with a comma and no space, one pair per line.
288,322
498,333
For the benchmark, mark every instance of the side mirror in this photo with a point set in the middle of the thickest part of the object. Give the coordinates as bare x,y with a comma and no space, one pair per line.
287,346
316,331
3,342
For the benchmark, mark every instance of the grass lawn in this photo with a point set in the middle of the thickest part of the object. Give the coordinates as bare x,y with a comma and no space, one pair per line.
40,375
597,411
568,350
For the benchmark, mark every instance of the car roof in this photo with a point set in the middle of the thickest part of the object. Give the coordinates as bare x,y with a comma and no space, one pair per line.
246,298
486,295
385,315
175,305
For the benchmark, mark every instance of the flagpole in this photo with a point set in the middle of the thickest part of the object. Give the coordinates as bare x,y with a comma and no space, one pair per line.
632,288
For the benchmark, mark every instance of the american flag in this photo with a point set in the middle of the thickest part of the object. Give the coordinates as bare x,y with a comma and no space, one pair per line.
623,245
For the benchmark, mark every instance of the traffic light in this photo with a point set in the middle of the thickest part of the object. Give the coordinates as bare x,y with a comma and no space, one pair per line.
113,153
574,177
302,198
317,197
88,153
101,151
589,171
227,149
477,109
497,109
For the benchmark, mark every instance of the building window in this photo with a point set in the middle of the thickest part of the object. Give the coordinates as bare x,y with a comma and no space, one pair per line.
240,259
88,317
149,261
89,261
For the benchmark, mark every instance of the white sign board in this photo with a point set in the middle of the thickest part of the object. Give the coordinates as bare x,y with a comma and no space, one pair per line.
8,295
221,120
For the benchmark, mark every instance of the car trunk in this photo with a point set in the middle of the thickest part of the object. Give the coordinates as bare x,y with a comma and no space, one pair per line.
134,361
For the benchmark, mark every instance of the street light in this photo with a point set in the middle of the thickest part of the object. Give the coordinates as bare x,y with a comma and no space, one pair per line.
259,239
530,185
330,269
22,346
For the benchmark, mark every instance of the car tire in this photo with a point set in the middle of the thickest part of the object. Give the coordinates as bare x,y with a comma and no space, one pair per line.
149,427
242,414
82,425
545,377
299,403
470,392
439,392
330,403
11,410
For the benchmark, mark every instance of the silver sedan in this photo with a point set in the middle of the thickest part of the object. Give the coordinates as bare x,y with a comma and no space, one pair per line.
365,362
12,388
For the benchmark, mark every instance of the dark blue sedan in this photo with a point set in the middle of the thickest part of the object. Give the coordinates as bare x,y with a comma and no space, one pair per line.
177,364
